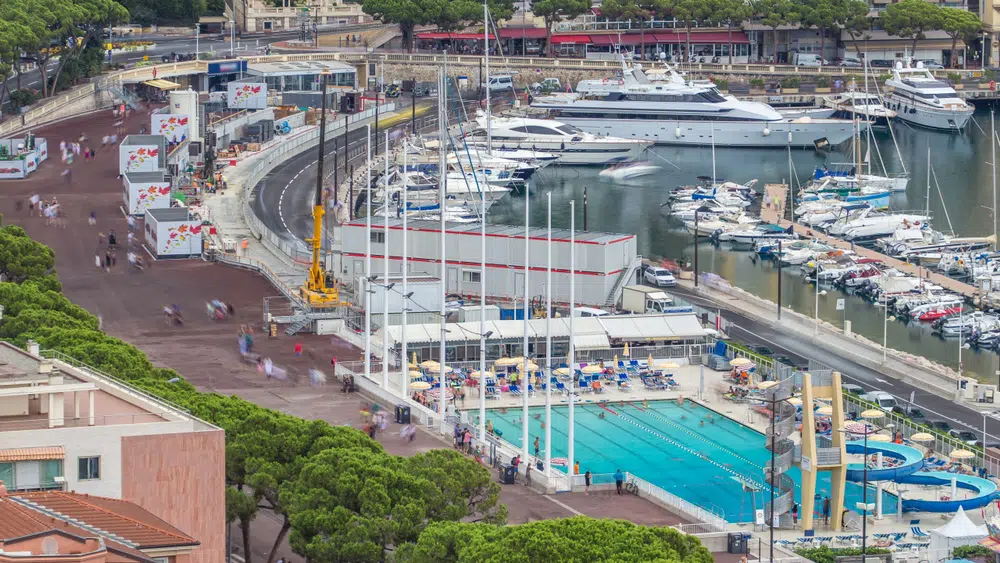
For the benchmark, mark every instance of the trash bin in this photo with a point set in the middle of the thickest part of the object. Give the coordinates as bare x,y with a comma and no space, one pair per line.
507,474
737,542
402,414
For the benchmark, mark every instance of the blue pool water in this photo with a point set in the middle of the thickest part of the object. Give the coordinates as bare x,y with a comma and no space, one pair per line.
689,450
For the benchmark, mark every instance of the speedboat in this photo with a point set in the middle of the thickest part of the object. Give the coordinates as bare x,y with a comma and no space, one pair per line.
628,171
921,98
846,182
762,232
718,226
867,107
572,145
706,209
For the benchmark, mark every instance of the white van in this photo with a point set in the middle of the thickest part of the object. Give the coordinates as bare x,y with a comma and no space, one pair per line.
808,59
499,83
589,312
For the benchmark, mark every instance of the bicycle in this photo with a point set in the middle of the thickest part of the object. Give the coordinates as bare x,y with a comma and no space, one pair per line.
632,487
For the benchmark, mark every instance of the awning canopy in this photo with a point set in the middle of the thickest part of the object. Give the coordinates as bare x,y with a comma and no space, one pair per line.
162,84
525,32
591,342
566,39
671,37
442,35
32,454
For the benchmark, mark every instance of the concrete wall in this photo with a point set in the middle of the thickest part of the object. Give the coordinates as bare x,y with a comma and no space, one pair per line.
181,479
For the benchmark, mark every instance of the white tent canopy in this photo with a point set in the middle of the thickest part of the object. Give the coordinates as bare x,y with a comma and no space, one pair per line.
957,532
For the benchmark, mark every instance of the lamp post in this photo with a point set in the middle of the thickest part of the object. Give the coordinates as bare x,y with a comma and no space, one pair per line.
697,212
232,38
864,429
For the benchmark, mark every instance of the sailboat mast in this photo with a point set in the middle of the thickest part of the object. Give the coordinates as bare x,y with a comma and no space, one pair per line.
993,160
927,198
486,42
857,147
712,125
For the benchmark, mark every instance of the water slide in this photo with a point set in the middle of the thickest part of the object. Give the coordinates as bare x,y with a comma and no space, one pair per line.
908,472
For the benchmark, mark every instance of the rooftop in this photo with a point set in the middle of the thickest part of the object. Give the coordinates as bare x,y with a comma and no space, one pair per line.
509,231
298,67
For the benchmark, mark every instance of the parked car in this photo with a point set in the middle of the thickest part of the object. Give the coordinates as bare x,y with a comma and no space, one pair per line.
967,436
852,389
850,62
880,63
884,400
761,350
660,277
913,413
940,426
931,64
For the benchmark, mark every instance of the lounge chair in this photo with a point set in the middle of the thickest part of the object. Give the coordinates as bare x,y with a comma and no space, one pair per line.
531,390
918,533
514,389
561,387
491,392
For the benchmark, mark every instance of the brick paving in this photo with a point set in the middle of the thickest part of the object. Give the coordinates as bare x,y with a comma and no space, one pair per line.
205,351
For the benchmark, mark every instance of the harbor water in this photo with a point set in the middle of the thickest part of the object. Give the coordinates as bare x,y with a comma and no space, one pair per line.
960,162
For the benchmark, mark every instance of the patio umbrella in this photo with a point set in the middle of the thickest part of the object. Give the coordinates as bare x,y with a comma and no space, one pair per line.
507,362
593,368
414,374
962,454
420,385
625,352
479,374
794,401
766,384
825,410
873,413
561,371
668,365
430,364
616,360
879,438
922,437
737,362
530,366
649,361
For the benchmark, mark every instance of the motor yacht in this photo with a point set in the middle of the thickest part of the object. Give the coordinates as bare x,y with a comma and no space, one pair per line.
923,99
864,106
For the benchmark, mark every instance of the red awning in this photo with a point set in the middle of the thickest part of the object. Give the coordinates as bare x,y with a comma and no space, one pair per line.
570,39
525,32
440,35
713,37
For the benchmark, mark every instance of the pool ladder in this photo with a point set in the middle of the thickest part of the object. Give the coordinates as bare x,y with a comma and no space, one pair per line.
778,441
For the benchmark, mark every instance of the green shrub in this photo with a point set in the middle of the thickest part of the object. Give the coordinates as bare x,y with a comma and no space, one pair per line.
954,77
757,82
721,83
23,97
967,551
790,82
828,555
823,82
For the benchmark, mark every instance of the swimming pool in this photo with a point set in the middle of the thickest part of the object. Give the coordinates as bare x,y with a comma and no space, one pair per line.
690,451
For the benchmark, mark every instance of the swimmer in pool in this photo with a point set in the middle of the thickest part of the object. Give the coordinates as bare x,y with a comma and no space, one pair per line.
601,415
702,423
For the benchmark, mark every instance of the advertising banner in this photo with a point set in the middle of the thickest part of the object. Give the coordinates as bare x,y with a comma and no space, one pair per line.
174,127
138,158
247,95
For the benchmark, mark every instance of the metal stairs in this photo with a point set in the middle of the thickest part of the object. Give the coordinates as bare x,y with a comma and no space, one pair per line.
299,322
623,278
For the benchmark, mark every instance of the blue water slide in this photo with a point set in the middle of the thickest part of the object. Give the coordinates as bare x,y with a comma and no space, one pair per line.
912,460
984,489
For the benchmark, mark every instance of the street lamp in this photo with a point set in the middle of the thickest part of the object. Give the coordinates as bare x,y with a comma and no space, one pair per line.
232,38
697,212
864,429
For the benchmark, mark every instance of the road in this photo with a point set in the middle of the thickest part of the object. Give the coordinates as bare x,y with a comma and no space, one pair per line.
935,407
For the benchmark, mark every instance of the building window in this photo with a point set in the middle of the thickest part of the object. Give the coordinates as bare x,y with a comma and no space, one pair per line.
161,559
470,276
32,475
90,468
378,237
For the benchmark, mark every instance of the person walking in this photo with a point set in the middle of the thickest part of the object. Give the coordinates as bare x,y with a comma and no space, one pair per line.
586,482
826,510
536,446
619,479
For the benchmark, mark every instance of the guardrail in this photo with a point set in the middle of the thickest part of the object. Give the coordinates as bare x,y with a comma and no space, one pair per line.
714,522
256,266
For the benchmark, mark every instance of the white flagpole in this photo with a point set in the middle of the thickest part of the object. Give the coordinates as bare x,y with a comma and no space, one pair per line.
368,261
527,315
548,348
482,316
442,201
385,272
570,461
405,363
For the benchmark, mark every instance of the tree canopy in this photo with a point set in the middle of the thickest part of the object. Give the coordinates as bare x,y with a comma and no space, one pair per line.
447,15
825,15
911,19
959,24
554,11
568,540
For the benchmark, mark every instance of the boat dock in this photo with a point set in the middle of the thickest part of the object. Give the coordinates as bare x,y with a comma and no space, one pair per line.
775,203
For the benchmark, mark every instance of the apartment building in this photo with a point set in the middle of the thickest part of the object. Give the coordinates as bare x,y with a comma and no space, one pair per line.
69,428
256,16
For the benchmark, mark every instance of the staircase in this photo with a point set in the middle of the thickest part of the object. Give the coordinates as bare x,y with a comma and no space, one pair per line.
123,94
299,322
623,278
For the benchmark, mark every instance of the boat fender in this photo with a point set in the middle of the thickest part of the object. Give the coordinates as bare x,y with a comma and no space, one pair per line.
789,137
767,131
677,132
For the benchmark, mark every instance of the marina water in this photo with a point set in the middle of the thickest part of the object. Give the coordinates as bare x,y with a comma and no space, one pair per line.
961,163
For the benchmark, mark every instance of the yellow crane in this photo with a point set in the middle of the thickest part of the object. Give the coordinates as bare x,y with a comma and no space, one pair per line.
320,289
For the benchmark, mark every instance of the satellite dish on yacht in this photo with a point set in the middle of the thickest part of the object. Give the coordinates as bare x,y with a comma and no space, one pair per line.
899,65
920,64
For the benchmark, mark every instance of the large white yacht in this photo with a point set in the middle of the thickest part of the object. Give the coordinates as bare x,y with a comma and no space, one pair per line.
920,98
570,144
674,112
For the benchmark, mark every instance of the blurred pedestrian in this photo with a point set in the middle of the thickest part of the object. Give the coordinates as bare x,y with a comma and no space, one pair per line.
92,220
298,349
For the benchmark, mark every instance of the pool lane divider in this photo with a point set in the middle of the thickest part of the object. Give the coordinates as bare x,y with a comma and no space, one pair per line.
702,456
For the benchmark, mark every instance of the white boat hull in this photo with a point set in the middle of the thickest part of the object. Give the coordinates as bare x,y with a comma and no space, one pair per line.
727,133
583,154
941,119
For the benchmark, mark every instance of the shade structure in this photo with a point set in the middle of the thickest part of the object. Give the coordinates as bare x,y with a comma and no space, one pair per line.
414,374
766,384
737,362
615,360
794,401
825,410
480,374
873,413
507,362
859,428
625,352
448,394
430,364
420,385
668,365
879,438
530,366
649,361
413,365
561,371
962,454
593,368
922,437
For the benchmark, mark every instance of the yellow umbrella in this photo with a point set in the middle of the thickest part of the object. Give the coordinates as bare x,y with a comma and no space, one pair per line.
737,362
430,364
561,371
667,365
962,454
879,438
507,362
825,410
593,368
415,374
766,384
649,361
530,366
420,385
873,413
922,437
414,360
616,360
795,401
625,352
478,374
